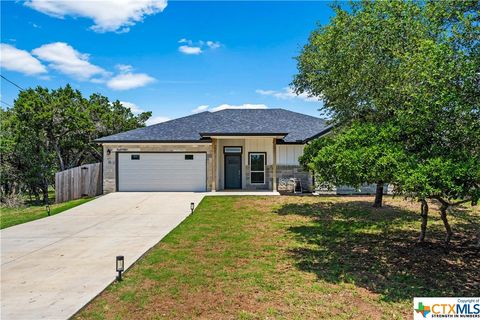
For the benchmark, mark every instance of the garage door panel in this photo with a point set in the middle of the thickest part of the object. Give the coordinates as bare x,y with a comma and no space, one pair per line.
162,172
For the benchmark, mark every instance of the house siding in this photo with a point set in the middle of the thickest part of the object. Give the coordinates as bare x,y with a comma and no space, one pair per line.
288,154
288,167
259,145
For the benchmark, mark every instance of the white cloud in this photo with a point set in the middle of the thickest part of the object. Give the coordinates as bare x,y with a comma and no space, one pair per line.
107,15
229,106
18,60
133,107
287,94
155,120
191,47
65,59
124,67
190,50
125,81
213,44
201,108
98,80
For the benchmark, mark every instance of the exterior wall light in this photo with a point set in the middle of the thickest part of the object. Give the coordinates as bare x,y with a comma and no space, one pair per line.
109,151
192,206
120,267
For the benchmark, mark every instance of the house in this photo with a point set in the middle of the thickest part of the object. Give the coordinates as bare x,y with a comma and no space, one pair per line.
246,149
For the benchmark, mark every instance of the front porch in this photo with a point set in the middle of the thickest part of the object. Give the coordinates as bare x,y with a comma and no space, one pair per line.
255,163
244,163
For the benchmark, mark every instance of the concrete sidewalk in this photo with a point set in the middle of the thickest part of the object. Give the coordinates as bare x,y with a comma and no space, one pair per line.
52,267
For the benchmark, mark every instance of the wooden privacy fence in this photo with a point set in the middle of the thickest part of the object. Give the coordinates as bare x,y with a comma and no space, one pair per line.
78,182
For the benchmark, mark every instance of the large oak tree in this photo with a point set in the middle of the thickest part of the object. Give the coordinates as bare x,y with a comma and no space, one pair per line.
410,66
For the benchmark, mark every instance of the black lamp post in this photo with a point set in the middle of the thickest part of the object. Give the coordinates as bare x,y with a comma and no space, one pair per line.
120,267
192,206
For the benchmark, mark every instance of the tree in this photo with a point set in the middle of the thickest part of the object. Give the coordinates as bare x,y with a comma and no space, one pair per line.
440,118
414,66
361,153
353,63
52,130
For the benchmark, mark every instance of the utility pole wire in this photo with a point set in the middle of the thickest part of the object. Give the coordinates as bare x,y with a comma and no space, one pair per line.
16,85
8,104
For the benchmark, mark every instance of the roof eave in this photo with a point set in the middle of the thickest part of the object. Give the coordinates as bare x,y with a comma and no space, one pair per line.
318,135
249,134
153,141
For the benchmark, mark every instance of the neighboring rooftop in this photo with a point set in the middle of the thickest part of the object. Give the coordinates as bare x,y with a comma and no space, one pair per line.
296,127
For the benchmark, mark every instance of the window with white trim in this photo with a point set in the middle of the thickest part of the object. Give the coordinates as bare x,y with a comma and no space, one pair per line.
257,168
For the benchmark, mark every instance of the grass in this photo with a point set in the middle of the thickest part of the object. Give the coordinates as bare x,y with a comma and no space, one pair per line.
296,258
13,216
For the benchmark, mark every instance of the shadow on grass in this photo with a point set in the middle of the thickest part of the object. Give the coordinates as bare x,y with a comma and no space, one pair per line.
376,249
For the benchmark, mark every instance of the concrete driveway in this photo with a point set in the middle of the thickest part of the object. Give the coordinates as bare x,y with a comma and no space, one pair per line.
50,268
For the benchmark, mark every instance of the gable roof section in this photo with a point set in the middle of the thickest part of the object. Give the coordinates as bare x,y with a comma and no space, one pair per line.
296,127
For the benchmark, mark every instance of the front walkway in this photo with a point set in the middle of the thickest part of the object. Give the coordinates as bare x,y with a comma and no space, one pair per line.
52,267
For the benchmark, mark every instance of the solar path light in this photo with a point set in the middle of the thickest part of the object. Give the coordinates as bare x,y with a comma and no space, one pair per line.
120,267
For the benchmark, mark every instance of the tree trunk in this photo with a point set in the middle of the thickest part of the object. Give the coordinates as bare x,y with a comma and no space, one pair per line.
59,155
45,191
45,195
378,195
424,214
443,215
37,196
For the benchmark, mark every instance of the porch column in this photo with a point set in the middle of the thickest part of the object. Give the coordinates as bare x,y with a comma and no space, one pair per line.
214,165
274,165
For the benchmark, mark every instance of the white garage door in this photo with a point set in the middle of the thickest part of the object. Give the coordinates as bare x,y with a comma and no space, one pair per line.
162,171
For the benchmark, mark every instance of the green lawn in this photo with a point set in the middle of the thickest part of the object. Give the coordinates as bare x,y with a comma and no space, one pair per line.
296,258
13,216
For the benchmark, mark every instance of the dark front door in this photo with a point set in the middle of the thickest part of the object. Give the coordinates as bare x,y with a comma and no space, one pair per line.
233,171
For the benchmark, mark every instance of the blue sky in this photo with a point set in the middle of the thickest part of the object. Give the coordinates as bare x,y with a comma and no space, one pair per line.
170,58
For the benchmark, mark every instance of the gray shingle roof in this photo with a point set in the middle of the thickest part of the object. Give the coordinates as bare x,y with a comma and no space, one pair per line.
297,127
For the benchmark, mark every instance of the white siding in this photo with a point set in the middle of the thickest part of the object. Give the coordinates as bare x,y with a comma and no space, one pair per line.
288,154
259,145
162,172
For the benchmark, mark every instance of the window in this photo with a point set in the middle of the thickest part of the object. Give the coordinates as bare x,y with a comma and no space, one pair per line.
135,157
232,149
189,157
257,168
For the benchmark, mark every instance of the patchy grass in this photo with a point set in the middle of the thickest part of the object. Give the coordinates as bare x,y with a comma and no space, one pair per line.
13,216
296,258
